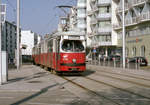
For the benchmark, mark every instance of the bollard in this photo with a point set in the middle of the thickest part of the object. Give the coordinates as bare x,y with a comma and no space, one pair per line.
104,61
108,62
99,61
139,61
4,67
136,65
114,62
128,65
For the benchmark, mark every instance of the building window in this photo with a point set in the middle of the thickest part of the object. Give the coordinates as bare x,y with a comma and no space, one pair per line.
143,51
134,51
108,9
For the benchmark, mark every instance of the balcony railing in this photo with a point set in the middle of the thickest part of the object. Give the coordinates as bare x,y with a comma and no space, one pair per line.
131,21
137,2
93,21
90,12
105,30
81,15
128,22
105,43
81,5
119,9
92,0
145,16
103,2
104,16
82,26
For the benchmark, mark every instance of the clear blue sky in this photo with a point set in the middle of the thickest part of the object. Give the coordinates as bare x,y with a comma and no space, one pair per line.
40,16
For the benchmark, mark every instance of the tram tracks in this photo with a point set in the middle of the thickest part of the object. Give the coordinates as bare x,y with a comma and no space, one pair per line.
95,92
127,75
130,79
91,91
118,88
113,86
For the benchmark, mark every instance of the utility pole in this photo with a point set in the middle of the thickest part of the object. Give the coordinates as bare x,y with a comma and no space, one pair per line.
123,33
0,47
18,34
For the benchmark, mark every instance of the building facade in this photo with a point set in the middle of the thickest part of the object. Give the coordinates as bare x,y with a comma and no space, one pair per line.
137,23
28,40
99,26
81,15
9,38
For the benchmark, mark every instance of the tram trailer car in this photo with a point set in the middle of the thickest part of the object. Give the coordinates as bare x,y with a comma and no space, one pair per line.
62,52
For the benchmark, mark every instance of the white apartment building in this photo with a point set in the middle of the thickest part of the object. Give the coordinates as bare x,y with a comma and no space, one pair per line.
28,40
99,26
137,23
81,15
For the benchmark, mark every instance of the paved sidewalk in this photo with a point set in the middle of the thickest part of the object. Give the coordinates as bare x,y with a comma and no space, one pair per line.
144,73
32,85
28,78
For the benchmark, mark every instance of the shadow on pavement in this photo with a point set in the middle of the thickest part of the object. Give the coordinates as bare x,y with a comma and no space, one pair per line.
35,95
85,73
37,75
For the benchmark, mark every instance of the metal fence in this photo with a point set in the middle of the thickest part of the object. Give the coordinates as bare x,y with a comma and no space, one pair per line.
114,63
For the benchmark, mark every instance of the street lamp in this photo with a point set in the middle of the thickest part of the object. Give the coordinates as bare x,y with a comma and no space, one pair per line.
18,35
0,47
123,32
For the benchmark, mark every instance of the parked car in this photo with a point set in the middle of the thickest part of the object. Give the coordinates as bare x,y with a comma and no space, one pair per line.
142,60
114,57
102,57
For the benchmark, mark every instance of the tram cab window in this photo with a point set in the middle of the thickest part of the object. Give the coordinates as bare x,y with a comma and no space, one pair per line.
72,46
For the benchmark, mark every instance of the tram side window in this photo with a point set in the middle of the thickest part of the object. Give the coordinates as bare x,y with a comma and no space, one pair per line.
50,46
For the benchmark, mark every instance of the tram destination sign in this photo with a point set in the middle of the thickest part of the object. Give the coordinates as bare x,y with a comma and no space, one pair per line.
74,37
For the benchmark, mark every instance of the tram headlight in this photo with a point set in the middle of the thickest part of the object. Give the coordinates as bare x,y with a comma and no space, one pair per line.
74,60
65,57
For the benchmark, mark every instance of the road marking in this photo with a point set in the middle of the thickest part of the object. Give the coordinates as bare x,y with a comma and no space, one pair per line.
44,104
6,97
130,99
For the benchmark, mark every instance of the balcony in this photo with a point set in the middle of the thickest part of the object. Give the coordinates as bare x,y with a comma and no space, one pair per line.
106,43
137,2
105,30
82,26
131,21
104,2
93,21
119,9
81,5
81,15
145,16
104,16
89,12
92,0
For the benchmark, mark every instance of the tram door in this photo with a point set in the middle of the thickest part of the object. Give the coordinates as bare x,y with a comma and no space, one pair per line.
57,54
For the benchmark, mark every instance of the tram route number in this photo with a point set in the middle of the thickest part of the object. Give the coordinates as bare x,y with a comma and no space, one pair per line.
74,37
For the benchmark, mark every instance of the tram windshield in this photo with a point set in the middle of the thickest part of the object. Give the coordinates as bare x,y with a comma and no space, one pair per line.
72,46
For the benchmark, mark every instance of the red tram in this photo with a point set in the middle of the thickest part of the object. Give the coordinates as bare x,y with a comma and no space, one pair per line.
62,52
